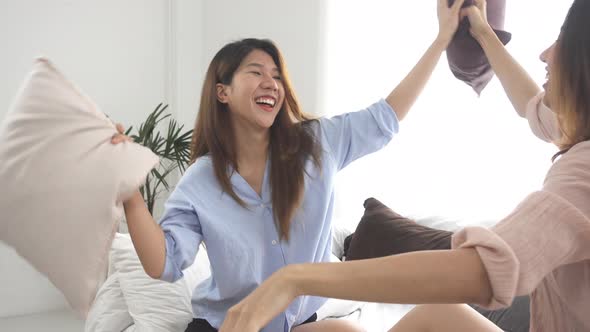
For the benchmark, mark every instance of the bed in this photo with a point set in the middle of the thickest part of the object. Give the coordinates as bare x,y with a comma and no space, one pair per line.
130,301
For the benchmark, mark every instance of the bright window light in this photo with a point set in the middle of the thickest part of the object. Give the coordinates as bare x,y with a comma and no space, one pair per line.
457,155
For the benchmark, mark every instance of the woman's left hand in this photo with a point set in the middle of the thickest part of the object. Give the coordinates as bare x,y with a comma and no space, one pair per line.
262,305
448,19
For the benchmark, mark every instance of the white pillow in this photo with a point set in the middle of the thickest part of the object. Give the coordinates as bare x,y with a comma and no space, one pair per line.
154,305
109,311
339,234
63,181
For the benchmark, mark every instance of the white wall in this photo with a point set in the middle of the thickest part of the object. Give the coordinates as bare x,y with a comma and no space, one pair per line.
131,55
187,57
116,51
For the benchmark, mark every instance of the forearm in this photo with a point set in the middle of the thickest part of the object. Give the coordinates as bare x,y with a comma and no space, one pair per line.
147,236
405,94
517,83
446,276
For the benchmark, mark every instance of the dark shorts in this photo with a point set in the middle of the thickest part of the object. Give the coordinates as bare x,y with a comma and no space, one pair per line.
515,318
201,325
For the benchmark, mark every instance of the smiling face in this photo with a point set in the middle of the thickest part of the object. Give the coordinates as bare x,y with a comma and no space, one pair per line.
255,94
568,79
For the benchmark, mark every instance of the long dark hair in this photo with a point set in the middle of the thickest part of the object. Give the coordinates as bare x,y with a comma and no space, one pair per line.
570,83
292,141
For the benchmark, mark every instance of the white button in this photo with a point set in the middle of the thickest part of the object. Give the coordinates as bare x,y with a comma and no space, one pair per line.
262,205
274,242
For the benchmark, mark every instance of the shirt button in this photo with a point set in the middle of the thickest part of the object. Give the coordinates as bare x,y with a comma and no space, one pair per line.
274,242
262,205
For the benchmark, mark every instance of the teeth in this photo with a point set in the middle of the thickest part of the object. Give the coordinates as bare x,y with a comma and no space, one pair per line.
267,101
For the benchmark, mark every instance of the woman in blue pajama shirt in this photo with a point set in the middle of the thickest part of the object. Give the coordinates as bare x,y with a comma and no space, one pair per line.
259,192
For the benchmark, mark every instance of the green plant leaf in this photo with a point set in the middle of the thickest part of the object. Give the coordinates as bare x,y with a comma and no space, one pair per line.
172,147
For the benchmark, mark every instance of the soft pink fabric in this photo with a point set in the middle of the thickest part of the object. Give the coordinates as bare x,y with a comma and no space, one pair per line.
543,247
542,120
63,182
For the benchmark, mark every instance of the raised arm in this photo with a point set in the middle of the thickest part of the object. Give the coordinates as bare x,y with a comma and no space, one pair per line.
518,84
405,94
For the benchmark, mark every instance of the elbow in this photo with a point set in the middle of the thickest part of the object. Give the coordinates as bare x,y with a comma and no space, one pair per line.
400,113
484,296
153,266
153,273
482,291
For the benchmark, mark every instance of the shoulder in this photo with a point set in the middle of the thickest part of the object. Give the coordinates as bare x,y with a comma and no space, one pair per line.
569,177
312,126
199,176
200,167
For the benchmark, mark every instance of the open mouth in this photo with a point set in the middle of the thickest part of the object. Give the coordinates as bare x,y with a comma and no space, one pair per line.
267,103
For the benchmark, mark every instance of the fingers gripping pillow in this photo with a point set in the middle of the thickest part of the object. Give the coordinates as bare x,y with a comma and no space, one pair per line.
63,183
466,58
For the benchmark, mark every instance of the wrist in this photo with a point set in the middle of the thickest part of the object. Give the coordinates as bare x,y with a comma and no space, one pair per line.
484,34
134,200
442,42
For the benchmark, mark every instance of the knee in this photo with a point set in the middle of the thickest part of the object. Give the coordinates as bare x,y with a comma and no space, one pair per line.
348,326
330,325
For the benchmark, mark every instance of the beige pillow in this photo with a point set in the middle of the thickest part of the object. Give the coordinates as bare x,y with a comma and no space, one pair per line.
63,183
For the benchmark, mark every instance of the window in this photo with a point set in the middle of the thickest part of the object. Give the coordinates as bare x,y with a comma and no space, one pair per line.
457,155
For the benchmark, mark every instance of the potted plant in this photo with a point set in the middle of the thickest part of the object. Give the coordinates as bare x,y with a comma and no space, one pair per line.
171,146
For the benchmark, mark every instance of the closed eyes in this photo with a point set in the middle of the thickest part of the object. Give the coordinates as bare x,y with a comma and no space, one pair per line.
257,73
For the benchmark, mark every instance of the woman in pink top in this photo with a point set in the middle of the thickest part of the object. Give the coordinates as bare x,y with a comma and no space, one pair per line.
541,249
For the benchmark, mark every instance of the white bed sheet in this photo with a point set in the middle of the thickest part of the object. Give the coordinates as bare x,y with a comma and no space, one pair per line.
374,317
380,317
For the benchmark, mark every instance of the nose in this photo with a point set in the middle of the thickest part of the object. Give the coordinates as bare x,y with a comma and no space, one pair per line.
270,83
544,56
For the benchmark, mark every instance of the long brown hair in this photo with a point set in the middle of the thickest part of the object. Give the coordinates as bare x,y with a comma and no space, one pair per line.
570,81
292,139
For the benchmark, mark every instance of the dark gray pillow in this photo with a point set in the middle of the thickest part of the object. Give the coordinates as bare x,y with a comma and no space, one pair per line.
466,58
383,232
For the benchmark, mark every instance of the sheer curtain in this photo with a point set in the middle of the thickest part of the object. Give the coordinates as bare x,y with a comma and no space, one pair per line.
457,155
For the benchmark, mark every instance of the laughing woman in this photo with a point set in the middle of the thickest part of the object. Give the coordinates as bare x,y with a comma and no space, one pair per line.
259,192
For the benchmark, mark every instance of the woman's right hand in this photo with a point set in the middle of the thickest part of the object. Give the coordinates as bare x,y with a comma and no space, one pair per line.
119,138
477,18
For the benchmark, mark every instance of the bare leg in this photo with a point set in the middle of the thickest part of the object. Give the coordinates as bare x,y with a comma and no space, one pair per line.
330,325
444,317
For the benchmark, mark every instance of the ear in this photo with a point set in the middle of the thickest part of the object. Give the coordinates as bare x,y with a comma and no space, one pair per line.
221,93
